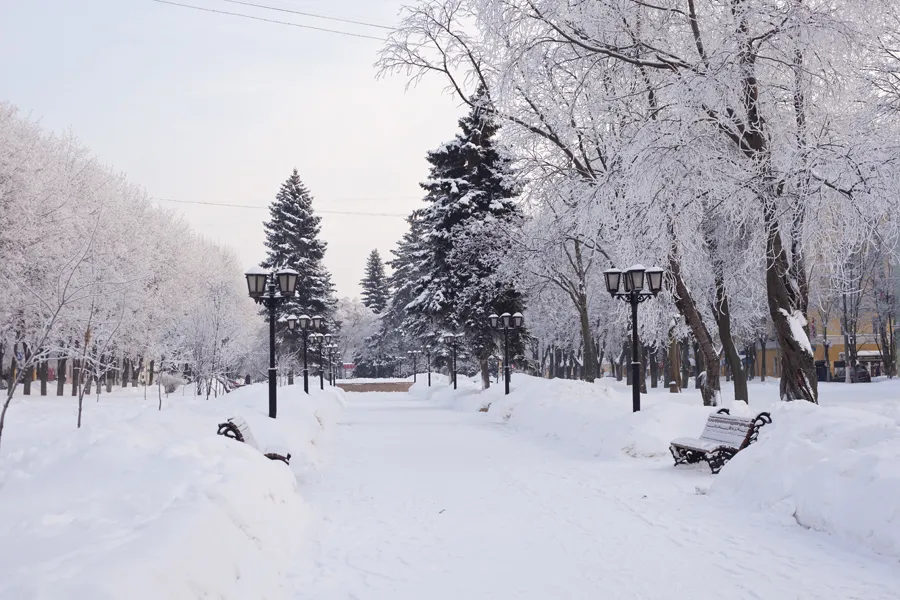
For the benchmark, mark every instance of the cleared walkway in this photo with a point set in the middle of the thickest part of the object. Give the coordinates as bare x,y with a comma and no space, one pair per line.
422,503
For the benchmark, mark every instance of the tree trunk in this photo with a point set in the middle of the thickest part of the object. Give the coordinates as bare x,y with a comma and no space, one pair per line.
626,351
125,371
150,374
685,363
654,368
587,339
709,389
43,373
76,376
674,365
60,376
137,372
29,372
723,321
485,374
88,380
764,366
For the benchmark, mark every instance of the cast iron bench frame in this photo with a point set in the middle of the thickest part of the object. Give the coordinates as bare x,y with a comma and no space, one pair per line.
238,429
715,451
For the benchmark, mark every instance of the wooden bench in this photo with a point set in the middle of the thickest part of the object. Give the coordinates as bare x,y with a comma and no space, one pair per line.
238,429
722,438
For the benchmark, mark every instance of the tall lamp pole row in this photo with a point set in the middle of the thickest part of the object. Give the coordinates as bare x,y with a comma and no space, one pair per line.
632,283
506,322
452,340
414,354
271,290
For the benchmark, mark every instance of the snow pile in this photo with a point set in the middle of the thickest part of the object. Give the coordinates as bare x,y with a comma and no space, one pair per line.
146,504
831,469
589,418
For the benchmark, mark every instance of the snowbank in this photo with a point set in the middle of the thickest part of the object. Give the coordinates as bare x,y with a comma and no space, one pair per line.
587,418
831,469
146,504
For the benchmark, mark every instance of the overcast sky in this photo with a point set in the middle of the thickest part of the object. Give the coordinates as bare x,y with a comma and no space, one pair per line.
207,107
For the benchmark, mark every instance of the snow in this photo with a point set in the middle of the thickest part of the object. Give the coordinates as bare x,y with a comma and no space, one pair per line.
424,497
557,491
141,503
797,322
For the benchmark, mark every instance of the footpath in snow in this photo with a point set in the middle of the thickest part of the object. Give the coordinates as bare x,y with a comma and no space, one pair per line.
545,497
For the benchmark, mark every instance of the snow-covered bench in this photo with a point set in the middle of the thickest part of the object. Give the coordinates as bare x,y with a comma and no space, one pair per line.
722,438
238,429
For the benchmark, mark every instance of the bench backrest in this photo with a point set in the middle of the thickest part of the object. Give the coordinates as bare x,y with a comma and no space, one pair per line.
727,430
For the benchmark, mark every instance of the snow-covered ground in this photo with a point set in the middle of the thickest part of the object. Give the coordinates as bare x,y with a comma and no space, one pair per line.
560,492
557,491
142,503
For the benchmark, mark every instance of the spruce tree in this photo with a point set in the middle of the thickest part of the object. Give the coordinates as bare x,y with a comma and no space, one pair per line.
374,284
292,240
454,279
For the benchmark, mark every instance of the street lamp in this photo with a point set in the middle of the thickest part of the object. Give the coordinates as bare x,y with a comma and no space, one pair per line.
428,362
415,356
506,322
319,339
632,282
307,324
452,340
291,321
271,290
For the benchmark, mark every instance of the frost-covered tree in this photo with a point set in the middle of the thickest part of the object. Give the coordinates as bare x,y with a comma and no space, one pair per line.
292,241
376,292
768,115
469,197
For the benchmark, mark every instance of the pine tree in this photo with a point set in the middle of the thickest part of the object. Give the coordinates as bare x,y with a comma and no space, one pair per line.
454,284
292,240
375,285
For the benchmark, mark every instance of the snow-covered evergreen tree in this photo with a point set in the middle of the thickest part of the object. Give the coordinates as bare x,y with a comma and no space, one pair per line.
468,196
292,240
375,293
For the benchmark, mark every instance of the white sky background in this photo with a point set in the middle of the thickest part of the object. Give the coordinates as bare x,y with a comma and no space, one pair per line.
215,108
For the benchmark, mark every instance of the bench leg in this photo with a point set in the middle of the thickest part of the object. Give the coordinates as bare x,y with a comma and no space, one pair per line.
717,459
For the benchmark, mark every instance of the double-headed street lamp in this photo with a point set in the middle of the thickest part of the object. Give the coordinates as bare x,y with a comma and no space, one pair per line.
322,339
452,340
331,349
306,324
415,356
632,282
506,322
270,290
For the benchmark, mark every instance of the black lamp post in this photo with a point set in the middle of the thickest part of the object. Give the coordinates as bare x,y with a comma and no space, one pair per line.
506,322
632,282
270,290
319,340
307,324
331,348
292,331
415,360
452,340
428,362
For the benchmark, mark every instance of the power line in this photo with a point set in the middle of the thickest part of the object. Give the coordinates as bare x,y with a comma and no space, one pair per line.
225,12
308,14
326,212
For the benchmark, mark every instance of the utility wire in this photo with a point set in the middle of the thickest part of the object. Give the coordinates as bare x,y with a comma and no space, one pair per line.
326,212
308,14
225,12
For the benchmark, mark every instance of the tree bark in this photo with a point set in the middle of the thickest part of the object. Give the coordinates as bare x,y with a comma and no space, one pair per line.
60,376
43,373
764,366
709,389
723,321
485,374
29,372
674,365
685,364
654,368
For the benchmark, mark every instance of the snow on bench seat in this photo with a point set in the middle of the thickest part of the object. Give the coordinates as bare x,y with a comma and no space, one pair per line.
723,437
